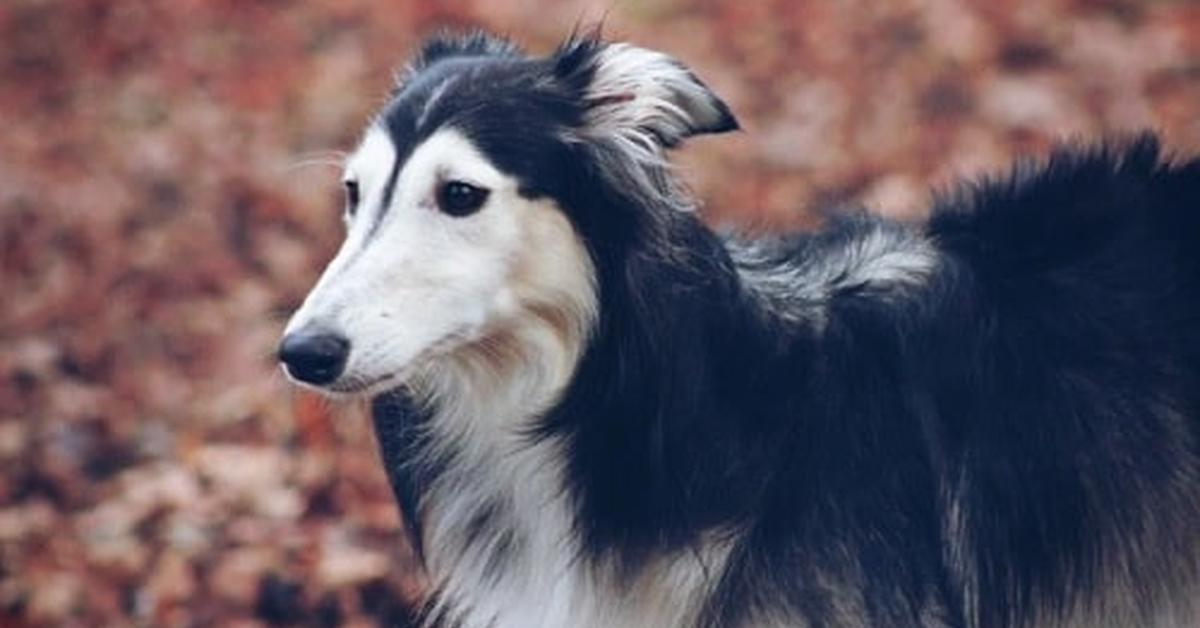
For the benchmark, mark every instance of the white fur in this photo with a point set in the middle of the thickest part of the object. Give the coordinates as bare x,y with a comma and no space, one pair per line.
435,95
889,263
649,91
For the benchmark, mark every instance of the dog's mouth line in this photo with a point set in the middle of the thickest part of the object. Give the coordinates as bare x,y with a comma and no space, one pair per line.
355,385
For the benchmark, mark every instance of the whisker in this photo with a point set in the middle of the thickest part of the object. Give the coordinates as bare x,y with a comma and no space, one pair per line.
330,158
308,163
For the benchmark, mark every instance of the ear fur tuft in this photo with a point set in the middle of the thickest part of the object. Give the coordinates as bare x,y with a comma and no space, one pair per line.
631,89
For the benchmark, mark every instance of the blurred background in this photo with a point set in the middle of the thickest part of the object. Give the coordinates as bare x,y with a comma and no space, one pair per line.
168,192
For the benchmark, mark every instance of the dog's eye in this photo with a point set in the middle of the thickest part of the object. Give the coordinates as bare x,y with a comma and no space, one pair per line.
351,195
458,198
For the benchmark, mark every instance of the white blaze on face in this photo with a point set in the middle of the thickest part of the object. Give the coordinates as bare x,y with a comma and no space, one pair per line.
412,284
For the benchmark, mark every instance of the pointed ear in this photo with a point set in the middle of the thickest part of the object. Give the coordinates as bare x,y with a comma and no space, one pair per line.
627,90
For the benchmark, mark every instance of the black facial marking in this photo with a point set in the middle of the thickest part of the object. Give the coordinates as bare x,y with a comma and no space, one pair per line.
352,194
503,103
389,190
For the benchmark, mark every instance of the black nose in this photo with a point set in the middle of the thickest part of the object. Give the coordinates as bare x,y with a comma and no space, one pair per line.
316,357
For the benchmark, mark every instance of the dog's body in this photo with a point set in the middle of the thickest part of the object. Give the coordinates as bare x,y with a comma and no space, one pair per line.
598,413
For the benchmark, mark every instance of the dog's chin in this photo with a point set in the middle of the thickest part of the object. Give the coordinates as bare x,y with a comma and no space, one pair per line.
349,388
352,386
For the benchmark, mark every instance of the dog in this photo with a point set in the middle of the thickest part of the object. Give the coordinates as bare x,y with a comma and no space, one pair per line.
597,412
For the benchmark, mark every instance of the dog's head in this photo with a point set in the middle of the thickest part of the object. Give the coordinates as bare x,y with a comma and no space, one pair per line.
466,219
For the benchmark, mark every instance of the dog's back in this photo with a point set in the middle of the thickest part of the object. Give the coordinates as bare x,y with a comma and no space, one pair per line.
1067,371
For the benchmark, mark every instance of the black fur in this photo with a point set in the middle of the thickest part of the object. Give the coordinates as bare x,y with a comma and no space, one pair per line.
1043,381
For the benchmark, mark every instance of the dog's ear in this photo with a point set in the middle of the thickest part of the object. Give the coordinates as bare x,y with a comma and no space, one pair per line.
629,90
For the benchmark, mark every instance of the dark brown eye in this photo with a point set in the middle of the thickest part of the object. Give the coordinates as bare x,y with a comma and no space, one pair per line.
458,198
351,195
